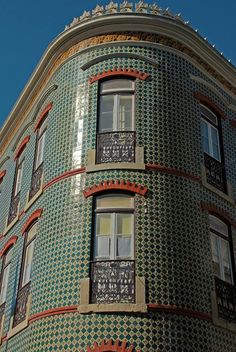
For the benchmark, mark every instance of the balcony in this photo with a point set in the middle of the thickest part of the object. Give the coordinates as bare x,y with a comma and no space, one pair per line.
21,304
36,181
13,212
113,281
226,300
116,147
215,173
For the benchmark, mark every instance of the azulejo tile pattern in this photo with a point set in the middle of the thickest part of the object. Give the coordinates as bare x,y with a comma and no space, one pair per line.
172,243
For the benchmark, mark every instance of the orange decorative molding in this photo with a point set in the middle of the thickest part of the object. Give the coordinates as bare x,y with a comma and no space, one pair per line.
180,311
53,311
2,175
115,185
21,147
7,245
63,176
111,345
205,100
129,72
220,213
36,214
43,116
172,171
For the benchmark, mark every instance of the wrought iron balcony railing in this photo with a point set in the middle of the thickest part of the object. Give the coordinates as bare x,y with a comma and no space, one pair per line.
36,181
13,208
113,281
21,304
116,147
226,299
215,173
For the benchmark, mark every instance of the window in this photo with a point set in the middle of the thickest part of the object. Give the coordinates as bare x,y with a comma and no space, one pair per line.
15,199
116,123
5,275
221,254
112,268
28,255
116,110
39,158
114,227
212,147
25,278
210,134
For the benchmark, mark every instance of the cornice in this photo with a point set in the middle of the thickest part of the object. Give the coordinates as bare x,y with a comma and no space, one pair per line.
174,29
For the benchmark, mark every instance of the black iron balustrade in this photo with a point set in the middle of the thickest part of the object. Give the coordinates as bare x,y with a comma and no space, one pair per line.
13,212
113,281
116,147
21,304
2,310
36,181
226,299
215,173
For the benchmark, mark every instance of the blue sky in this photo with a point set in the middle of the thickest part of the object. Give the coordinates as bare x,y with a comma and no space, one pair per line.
27,27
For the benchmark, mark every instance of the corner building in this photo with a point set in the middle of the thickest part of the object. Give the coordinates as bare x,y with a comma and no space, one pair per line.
117,179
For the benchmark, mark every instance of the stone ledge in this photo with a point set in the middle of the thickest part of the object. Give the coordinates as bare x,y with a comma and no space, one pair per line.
113,307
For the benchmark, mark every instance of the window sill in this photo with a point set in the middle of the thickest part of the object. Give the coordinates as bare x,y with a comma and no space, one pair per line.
112,307
138,165
21,326
228,197
220,322
30,202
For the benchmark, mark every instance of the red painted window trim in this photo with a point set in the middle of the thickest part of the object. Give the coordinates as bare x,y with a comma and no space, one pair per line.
110,345
2,174
129,72
209,103
43,116
220,213
115,185
21,147
9,243
34,216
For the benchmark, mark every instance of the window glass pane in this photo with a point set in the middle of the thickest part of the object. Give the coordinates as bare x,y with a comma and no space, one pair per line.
103,224
19,178
4,284
123,246
115,201
32,232
226,265
28,263
8,256
215,256
106,116
218,225
43,126
40,150
205,137
209,114
102,249
125,113
117,84
124,224
215,144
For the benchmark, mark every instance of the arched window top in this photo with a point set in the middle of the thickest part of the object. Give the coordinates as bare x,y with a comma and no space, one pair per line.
209,114
218,225
127,72
115,201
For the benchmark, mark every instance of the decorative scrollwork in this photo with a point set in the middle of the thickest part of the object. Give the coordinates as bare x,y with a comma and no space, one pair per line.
21,304
226,300
112,281
215,173
36,181
14,208
116,147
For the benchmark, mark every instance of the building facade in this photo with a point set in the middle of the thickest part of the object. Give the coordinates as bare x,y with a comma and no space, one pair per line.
117,191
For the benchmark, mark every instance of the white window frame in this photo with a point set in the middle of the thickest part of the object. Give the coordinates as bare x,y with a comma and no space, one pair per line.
117,93
221,236
5,274
40,147
211,126
29,243
19,174
113,212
